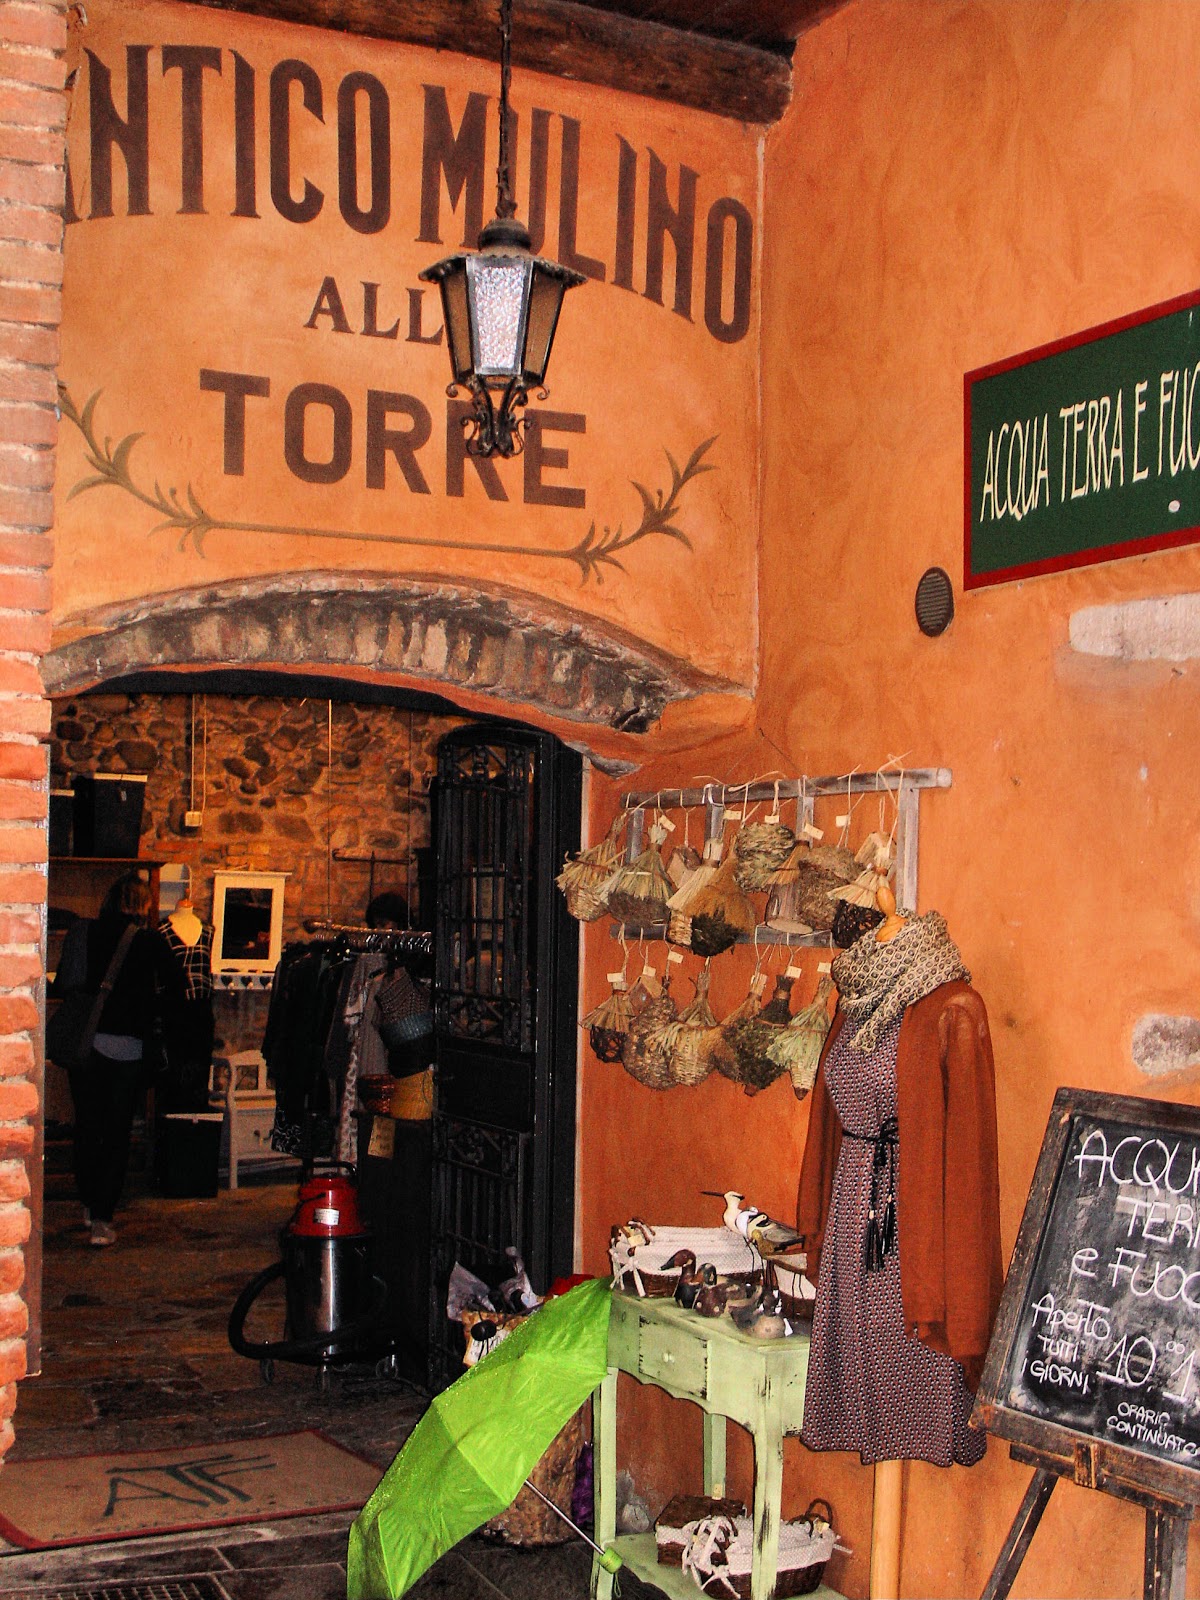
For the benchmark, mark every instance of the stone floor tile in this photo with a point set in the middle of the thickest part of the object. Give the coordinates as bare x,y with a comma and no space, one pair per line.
302,1548
323,1582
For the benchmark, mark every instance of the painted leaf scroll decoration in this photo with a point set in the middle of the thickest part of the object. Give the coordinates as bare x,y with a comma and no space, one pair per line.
110,467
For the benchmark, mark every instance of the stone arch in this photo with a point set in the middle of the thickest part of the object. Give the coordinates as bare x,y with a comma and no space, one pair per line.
418,629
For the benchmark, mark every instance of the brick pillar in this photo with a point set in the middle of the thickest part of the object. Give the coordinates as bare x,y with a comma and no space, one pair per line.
33,38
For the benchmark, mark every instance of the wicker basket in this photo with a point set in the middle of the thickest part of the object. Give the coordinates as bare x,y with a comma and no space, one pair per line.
677,1513
805,1546
638,893
584,878
690,1061
750,1040
647,1053
528,1522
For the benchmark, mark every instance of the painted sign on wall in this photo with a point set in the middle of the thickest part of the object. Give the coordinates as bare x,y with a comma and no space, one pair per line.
1086,449
255,377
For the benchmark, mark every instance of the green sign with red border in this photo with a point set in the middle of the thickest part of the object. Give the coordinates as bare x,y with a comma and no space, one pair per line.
1085,450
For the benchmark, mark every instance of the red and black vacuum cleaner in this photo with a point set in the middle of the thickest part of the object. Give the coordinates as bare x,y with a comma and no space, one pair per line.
334,1300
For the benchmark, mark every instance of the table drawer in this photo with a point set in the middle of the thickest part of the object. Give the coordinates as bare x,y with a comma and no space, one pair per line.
664,1357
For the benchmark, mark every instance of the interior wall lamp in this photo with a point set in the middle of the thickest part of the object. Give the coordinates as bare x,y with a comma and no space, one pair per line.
500,305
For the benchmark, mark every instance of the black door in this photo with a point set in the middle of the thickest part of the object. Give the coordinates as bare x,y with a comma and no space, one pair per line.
506,810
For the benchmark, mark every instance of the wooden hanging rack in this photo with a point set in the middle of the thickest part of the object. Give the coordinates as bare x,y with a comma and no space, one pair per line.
716,798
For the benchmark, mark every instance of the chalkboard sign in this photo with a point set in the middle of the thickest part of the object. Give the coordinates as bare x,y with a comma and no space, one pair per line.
1096,1353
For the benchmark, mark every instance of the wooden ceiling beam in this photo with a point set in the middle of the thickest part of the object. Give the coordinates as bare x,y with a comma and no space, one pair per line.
566,40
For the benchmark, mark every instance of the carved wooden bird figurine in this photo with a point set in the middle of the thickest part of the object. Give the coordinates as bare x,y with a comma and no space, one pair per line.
690,1279
770,1238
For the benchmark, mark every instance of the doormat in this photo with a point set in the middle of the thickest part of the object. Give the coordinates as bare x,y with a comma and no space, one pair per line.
70,1500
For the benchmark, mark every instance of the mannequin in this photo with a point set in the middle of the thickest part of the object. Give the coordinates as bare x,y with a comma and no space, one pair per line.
185,922
188,1023
899,1206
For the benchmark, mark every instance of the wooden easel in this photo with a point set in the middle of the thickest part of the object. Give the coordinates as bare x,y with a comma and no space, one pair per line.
1167,1523
1145,1350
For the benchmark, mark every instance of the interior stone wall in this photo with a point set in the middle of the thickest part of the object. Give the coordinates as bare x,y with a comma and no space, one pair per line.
259,771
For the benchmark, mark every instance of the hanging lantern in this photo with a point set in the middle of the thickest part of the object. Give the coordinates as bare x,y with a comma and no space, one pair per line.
500,305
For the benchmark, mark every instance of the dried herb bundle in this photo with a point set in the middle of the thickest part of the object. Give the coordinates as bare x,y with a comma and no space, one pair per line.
608,1024
810,874
760,849
585,877
689,1054
720,1048
750,1040
637,893
647,1053
797,1048
720,912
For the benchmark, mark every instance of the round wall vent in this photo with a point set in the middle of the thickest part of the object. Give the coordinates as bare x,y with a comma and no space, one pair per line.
934,602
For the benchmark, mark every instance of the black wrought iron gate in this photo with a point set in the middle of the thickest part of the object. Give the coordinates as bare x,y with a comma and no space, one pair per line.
506,810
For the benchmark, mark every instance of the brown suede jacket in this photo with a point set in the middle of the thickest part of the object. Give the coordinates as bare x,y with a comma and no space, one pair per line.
948,1197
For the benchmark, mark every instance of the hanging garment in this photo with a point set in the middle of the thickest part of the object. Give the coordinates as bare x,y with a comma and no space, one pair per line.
872,1386
187,1022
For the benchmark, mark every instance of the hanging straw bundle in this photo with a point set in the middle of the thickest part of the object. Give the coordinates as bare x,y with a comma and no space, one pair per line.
783,902
647,1053
608,1023
761,848
721,1055
690,1061
750,1040
720,912
637,893
584,878
797,1049
681,864
818,869
874,856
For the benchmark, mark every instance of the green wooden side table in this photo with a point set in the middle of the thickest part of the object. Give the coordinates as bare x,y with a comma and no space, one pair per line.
758,1383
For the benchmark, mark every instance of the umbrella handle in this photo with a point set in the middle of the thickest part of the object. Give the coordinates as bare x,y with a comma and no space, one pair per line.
609,1559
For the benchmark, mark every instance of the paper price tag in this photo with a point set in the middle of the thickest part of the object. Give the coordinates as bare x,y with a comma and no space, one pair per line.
824,968
668,824
811,832
772,816
844,820
617,979
793,972
734,816
674,956
648,971
383,1138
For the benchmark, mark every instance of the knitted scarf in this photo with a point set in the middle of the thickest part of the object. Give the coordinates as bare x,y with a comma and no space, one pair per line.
877,982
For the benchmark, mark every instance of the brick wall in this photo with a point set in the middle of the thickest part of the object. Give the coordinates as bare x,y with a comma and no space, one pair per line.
33,37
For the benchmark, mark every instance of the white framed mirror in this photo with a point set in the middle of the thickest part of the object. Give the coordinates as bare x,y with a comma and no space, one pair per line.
247,921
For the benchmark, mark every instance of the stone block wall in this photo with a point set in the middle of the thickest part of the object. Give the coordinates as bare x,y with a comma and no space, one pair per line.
259,771
32,117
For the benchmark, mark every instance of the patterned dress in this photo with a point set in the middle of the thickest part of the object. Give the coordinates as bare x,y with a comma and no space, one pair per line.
871,1388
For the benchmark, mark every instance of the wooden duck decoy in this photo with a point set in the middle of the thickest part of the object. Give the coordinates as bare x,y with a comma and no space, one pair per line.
688,1286
710,1301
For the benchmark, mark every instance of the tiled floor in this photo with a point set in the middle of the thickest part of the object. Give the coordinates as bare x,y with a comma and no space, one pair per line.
136,1355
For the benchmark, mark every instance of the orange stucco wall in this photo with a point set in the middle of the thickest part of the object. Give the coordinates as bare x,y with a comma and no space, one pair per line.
954,183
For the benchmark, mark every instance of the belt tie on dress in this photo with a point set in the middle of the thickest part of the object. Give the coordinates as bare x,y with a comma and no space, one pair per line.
881,1223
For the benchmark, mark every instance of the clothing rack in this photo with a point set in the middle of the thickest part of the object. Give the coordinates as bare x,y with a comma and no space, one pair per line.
389,941
716,798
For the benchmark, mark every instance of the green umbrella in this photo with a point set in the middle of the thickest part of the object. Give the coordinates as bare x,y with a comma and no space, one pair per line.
466,1459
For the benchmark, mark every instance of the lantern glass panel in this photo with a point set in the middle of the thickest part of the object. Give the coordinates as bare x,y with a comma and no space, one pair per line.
498,286
456,316
545,302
